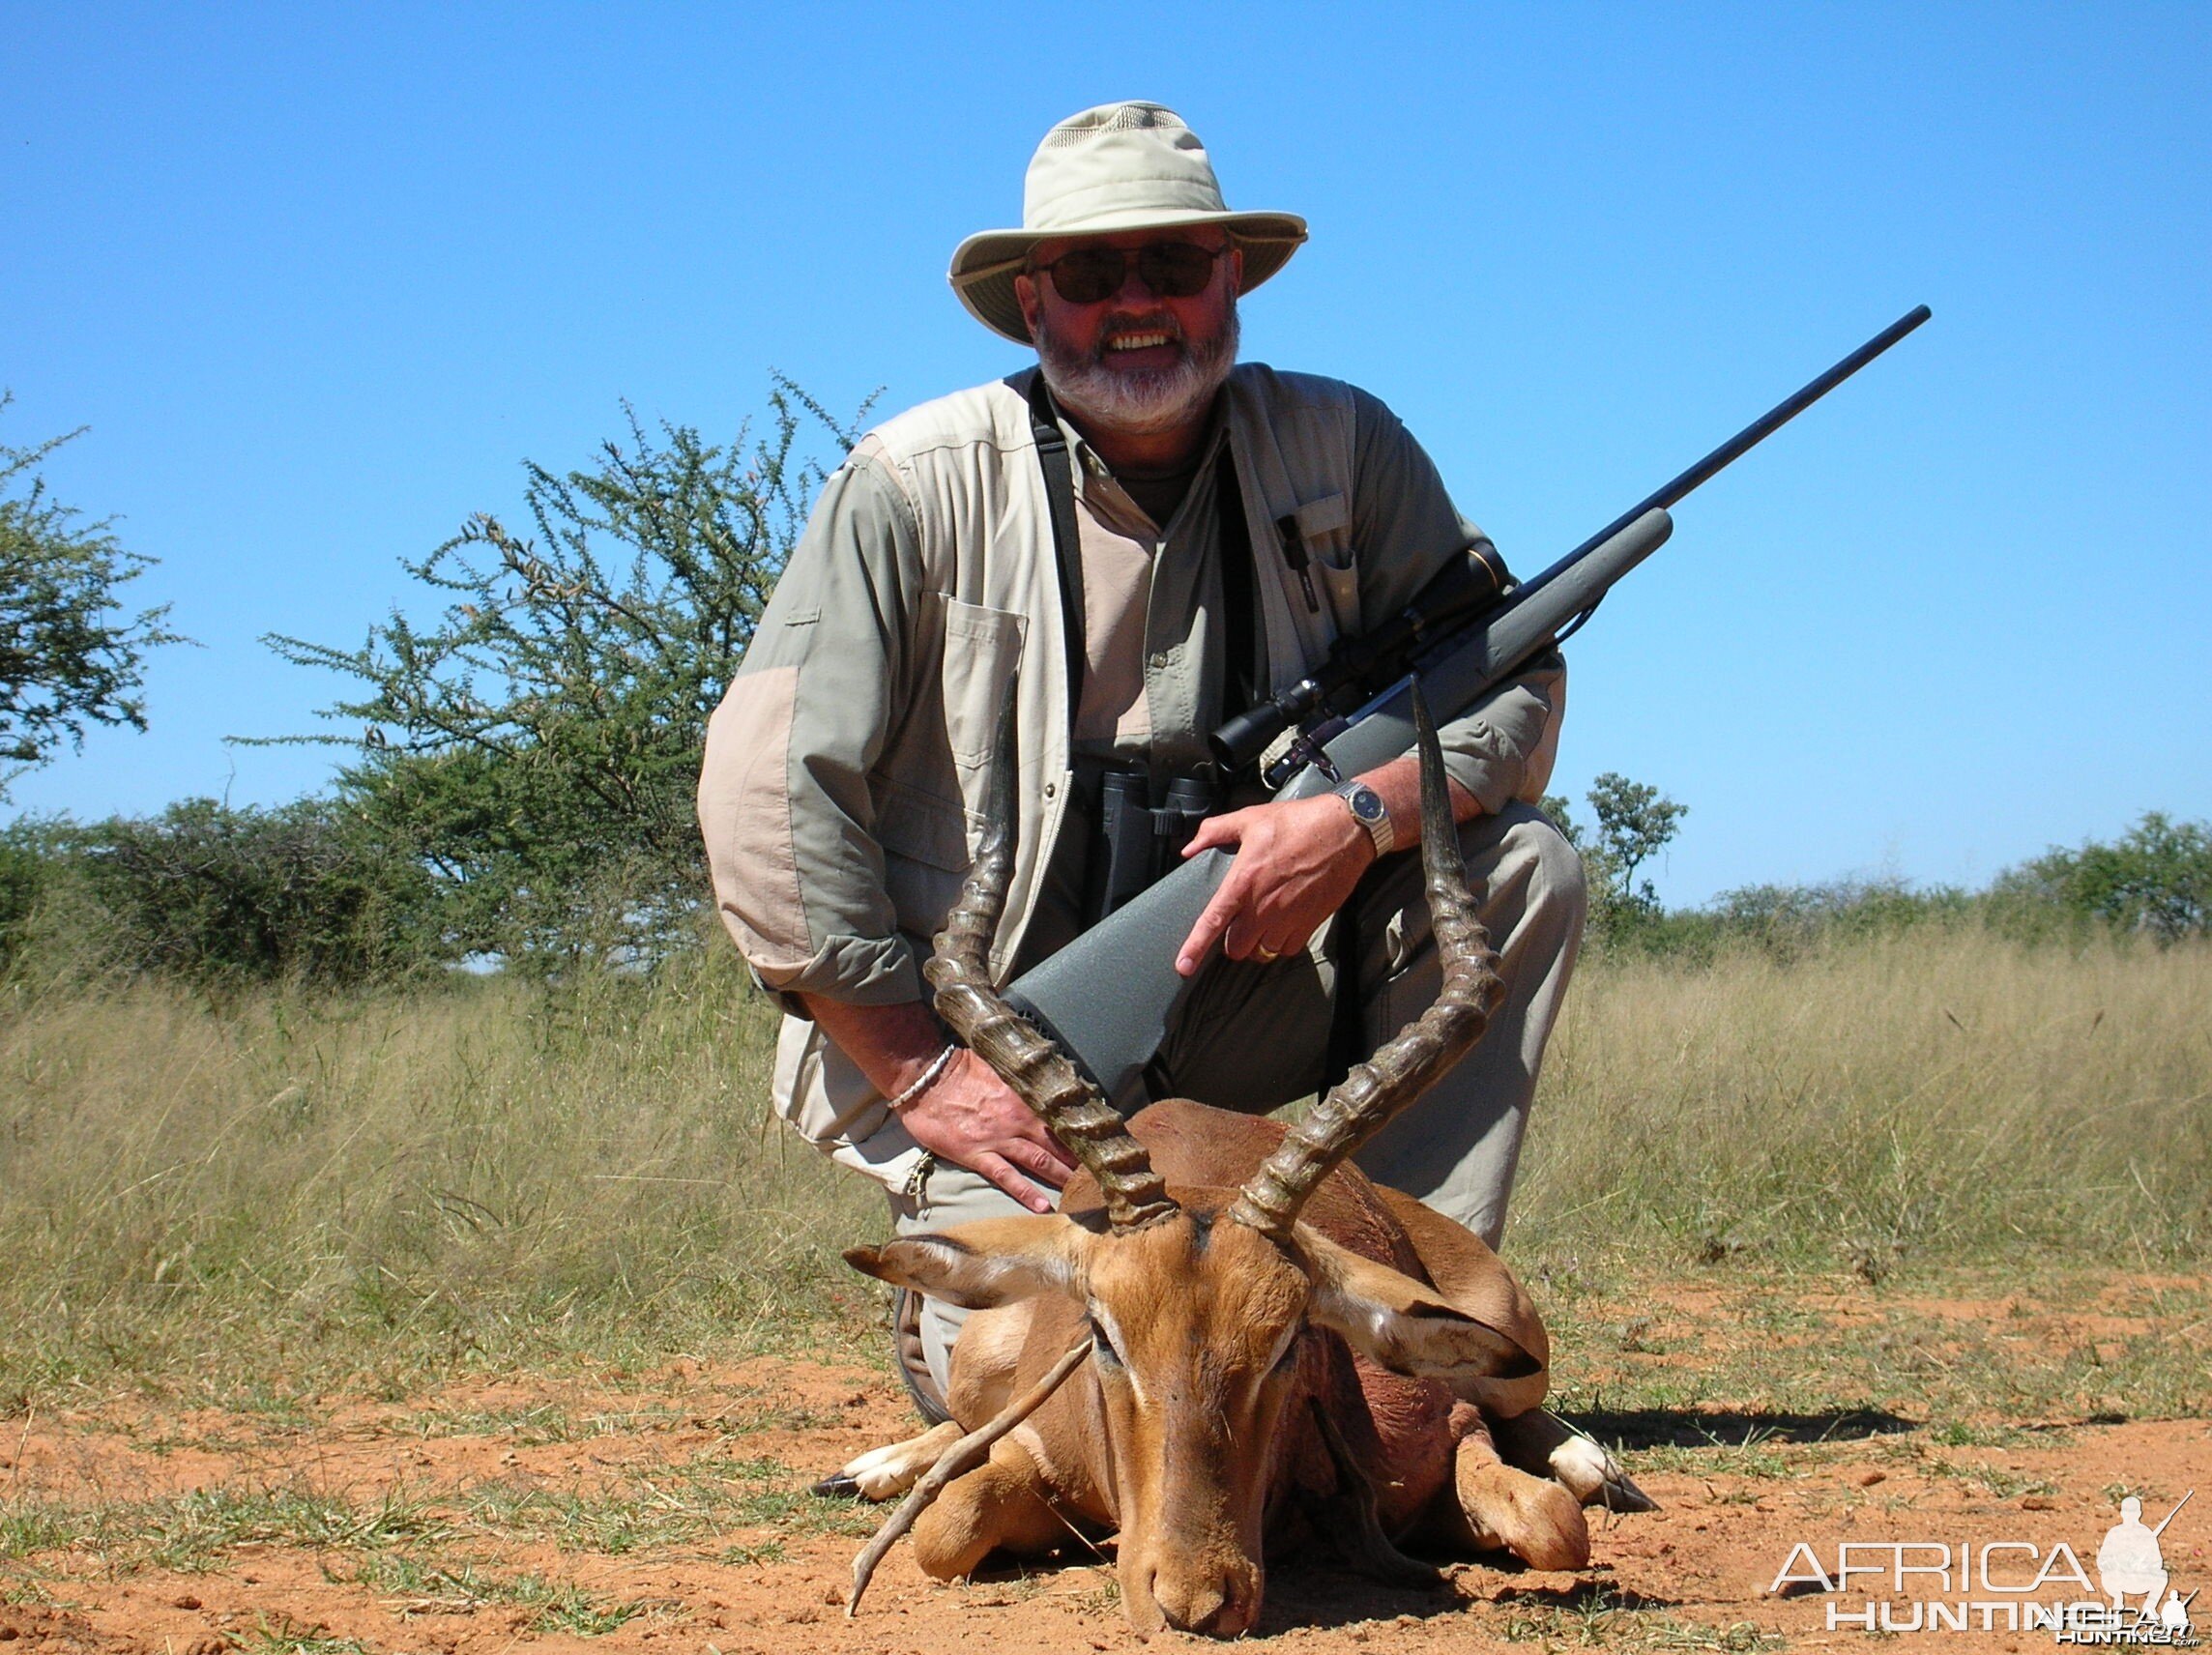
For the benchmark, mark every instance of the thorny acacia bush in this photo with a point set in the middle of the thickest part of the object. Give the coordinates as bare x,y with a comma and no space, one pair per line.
2156,879
216,896
536,745
71,653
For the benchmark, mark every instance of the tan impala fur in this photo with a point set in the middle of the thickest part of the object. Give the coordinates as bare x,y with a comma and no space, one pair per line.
1215,1447
1277,1344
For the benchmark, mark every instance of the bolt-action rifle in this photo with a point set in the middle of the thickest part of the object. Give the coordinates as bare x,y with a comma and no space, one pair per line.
1109,995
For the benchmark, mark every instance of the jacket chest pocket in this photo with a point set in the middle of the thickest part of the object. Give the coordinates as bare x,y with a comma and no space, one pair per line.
967,655
1321,530
982,650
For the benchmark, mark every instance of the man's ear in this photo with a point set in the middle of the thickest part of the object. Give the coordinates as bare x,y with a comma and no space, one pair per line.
1404,1327
1026,295
992,1262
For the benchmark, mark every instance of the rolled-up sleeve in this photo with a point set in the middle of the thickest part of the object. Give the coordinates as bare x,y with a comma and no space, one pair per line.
784,801
1406,529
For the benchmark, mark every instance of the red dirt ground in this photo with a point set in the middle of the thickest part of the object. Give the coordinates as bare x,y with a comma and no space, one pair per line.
1694,1575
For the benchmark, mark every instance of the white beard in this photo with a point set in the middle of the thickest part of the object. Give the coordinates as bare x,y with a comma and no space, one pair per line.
1157,399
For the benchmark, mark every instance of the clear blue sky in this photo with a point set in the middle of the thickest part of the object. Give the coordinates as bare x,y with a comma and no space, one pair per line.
320,278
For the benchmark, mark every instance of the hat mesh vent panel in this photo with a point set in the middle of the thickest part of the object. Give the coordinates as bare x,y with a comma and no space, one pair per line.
1124,117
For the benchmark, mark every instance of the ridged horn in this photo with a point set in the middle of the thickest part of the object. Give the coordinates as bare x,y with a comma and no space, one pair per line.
1073,1111
1405,1067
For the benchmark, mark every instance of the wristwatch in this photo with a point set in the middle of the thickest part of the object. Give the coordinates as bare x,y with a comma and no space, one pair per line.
1368,810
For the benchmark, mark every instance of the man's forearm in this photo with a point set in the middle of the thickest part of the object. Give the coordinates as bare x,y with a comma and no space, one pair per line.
969,1115
1398,784
891,1044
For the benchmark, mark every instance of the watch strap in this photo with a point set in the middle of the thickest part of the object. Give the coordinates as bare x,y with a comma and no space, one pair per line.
1368,810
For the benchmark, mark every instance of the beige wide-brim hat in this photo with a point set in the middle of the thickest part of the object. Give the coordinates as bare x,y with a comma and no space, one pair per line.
1121,167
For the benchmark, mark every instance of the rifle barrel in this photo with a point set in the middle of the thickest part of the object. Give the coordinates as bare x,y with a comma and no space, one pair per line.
2175,1513
1106,998
1753,434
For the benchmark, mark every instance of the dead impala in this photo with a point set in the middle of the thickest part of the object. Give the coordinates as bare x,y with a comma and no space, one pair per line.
1271,1339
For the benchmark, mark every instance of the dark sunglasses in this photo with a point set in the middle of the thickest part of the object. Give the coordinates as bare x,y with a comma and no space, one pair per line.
1172,270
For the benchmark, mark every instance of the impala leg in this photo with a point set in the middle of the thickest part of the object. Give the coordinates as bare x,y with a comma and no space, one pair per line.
1506,1509
1540,1442
997,1507
883,1473
1357,1531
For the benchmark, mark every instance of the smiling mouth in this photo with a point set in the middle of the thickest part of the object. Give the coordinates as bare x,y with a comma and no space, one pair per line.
1138,341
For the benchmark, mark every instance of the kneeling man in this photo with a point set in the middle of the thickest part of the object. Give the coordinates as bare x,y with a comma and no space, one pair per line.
1142,537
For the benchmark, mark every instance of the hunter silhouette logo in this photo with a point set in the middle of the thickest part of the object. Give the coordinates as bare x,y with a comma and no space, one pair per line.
2010,1586
2130,1563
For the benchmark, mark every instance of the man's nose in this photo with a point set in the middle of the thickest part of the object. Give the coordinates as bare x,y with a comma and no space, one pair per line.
1133,275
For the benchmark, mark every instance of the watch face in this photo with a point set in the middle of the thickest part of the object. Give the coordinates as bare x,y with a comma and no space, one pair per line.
1366,805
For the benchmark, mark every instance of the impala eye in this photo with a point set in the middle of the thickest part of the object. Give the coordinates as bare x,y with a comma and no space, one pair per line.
1103,1346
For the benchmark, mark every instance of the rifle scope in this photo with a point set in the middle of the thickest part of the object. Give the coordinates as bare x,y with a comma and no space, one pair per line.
1458,593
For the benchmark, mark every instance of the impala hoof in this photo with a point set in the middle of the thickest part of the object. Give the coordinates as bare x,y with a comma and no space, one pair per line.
1595,1478
836,1486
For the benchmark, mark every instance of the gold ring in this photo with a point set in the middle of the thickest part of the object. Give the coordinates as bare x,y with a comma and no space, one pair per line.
1265,955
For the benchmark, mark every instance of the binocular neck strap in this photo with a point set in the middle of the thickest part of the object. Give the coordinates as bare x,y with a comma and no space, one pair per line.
1240,678
1067,543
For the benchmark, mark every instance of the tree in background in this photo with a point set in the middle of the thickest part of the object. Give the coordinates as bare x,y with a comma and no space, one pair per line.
1635,822
71,656
221,897
2157,879
536,746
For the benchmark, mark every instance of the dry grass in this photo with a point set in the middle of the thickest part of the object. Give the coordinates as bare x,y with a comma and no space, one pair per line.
1934,1097
409,1178
249,1197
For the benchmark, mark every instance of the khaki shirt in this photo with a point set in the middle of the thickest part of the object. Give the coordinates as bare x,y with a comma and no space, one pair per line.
845,770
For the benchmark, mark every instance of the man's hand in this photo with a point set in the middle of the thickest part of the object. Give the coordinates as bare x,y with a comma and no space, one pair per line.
1297,862
967,1116
971,1118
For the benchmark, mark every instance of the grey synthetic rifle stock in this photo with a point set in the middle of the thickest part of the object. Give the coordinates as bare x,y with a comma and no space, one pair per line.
1109,995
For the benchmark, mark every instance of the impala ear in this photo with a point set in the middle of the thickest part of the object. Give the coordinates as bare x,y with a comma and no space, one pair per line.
992,1262
1404,1325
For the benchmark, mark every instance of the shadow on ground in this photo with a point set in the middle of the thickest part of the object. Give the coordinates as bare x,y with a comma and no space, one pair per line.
1305,1593
1699,1428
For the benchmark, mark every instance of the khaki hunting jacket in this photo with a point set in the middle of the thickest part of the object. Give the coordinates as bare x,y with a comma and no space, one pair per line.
845,770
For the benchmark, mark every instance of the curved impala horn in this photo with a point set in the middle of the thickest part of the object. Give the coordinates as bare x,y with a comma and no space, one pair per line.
1041,1074
1405,1067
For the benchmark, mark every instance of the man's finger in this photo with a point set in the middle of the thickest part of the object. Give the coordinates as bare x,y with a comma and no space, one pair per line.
1216,830
1242,941
1058,1162
1209,927
1001,1172
1042,1163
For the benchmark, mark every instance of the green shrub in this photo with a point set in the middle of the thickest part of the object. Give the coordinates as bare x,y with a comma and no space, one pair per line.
22,876
215,894
2157,881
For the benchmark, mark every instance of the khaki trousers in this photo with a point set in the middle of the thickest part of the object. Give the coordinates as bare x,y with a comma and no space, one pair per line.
1252,1038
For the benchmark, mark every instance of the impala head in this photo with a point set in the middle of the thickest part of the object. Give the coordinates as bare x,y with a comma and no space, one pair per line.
1202,1310
1201,1333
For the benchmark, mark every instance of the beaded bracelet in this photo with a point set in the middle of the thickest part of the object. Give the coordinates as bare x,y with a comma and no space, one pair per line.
924,1081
